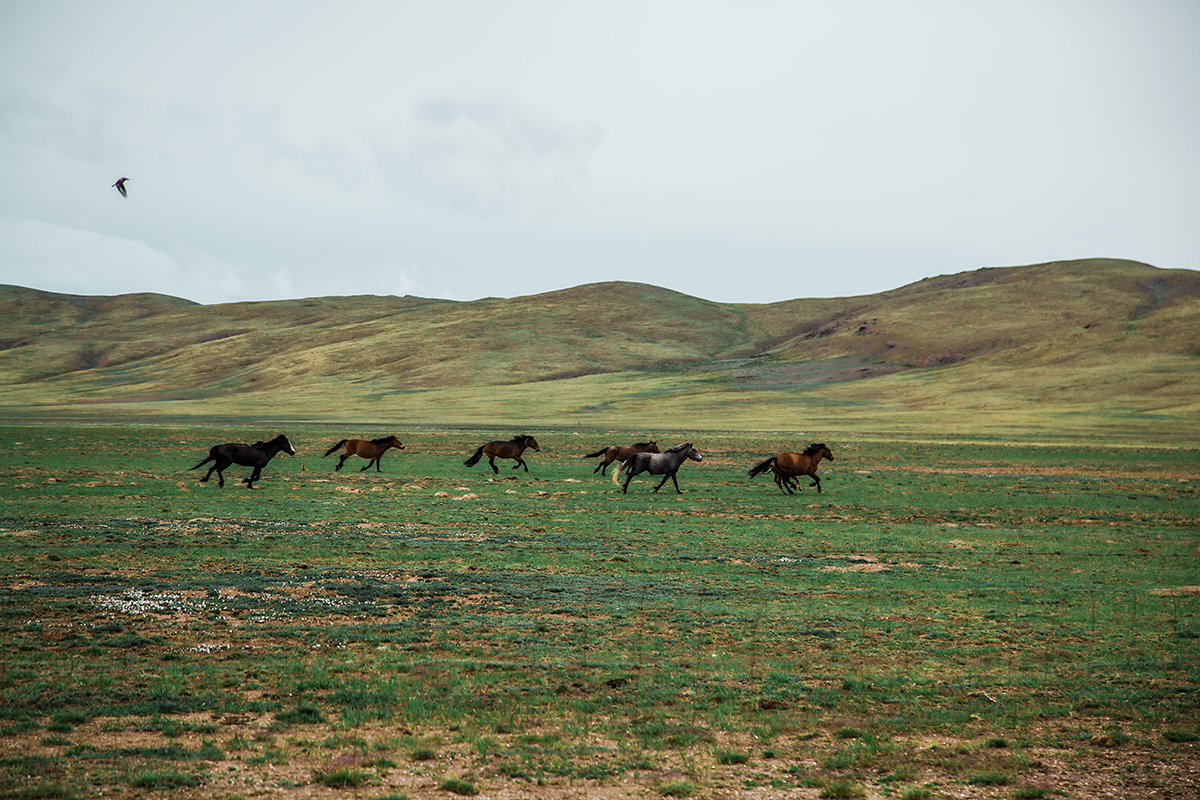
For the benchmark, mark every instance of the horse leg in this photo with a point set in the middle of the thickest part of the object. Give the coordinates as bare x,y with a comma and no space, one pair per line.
664,480
675,481
628,478
817,483
338,468
521,463
602,467
492,461
253,477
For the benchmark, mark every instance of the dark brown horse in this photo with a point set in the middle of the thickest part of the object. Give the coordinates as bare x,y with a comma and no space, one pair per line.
500,449
788,467
247,455
372,450
620,452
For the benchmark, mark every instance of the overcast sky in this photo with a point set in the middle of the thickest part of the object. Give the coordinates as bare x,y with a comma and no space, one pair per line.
737,151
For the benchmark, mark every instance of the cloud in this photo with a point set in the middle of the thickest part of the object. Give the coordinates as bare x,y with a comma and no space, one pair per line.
57,258
484,155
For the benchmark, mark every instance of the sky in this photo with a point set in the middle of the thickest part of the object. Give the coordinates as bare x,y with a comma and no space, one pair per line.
736,151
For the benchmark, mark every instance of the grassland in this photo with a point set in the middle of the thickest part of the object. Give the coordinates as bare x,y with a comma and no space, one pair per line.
1099,347
980,617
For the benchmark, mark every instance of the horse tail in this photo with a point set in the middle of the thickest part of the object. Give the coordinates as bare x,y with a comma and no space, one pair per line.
474,459
335,447
211,457
626,463
599,452
761,467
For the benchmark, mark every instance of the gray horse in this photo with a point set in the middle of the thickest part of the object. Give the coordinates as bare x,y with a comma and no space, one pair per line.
667,464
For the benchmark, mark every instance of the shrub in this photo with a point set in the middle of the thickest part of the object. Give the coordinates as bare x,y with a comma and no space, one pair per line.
1179,735
165,779
842,790
460,787
301,715
730,757
340,777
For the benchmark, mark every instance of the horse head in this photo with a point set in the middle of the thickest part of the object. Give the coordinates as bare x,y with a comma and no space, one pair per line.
531,442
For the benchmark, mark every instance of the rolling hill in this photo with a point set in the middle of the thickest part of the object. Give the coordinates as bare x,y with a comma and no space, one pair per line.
1098,346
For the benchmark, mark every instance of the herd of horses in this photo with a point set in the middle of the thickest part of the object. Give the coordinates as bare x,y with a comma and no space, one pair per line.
634,459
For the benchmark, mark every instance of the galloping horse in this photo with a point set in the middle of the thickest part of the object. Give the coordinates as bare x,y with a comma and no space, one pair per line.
247,455
372,450
788,467
666,464
500,449
620,452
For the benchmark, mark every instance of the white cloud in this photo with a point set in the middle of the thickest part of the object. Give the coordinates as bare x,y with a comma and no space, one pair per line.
485,155
55,258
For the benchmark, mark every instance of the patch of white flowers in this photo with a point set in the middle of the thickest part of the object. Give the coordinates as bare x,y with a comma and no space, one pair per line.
139,603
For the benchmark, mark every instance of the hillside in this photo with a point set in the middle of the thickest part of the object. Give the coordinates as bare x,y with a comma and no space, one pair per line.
1065,335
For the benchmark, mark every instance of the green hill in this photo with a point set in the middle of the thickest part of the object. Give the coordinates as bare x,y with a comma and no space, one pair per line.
1092,346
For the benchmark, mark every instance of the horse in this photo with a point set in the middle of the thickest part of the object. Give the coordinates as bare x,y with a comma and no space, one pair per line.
621,452
372,450
788,467
246,455
666,464
501,449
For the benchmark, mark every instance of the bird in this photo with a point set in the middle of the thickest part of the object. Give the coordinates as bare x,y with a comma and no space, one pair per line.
121,187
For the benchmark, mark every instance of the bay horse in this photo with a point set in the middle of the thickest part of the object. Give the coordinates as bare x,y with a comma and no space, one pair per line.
372,450
620,452
666,464
788,467
501,449
246,455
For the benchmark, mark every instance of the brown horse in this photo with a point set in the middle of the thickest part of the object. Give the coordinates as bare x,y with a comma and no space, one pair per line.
788,467
500,449
620,452
372,450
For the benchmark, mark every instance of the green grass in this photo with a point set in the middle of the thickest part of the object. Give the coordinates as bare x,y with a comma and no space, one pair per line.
938,599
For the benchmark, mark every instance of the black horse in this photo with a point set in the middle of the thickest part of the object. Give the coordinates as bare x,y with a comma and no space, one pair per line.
247,455
667,464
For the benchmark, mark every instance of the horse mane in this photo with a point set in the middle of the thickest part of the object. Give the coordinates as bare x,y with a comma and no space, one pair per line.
813,449
382,439
643,444
521,438
679,447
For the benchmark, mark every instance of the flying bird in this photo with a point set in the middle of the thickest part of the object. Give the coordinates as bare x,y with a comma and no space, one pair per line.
121,187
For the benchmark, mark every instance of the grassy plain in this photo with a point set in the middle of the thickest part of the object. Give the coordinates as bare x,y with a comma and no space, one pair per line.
982,617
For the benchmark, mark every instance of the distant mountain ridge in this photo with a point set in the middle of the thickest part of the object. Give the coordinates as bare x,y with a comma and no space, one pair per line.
146,348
